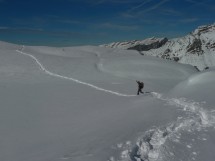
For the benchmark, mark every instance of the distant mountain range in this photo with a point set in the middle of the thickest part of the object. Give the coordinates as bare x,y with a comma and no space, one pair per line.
197,48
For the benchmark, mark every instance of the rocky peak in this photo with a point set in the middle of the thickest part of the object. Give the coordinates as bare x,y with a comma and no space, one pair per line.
195,47
204,29
148,44
139,45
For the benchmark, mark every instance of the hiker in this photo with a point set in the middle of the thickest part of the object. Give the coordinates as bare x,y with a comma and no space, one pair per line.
140,87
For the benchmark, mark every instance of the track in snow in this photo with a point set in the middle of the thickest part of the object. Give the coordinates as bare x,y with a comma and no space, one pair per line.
70,78
152,145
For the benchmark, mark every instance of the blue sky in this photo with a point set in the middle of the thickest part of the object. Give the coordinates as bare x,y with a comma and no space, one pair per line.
82,22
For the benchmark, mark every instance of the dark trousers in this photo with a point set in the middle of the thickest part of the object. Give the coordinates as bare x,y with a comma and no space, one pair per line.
139,91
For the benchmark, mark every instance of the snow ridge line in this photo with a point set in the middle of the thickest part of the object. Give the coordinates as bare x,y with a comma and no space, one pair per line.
70,78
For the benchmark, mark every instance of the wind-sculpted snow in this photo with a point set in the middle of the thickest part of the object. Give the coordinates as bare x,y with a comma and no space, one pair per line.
69,78
152,146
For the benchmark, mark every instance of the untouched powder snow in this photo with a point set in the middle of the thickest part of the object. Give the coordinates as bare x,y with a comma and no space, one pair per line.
201,83
80,103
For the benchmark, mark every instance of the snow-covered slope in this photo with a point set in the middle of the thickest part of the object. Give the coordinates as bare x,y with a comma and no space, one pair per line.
80,103
197,83
197,48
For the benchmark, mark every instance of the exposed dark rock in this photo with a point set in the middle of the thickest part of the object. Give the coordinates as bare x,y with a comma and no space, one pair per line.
199,42
212,45
209,45
167,51
146,47
195,47
166,54
197,68
203,29
206,68
176,59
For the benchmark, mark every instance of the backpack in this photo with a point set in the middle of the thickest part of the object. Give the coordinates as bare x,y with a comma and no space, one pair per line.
141,84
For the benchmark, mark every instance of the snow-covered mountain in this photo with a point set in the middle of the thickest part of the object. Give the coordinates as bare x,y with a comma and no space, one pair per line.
140,45
196,48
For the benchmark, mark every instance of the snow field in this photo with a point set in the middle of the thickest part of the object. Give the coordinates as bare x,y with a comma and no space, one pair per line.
62,119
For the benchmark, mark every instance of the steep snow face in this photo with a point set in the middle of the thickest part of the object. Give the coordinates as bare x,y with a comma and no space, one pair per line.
197,48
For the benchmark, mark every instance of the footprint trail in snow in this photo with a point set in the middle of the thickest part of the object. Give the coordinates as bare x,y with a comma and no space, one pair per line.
70,78
152,145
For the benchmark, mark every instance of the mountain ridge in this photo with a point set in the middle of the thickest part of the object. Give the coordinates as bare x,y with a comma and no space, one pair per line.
197,48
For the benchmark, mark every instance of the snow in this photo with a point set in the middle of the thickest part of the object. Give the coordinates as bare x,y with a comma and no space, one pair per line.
129,44
80,103
183,49
201,83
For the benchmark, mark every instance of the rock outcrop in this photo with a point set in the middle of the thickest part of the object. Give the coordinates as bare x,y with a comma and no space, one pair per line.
153,44
139,45
195,47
